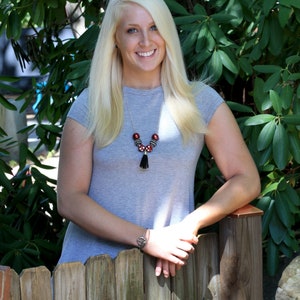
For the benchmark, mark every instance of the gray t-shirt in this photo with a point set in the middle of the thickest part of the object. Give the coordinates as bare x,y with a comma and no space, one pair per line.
156,197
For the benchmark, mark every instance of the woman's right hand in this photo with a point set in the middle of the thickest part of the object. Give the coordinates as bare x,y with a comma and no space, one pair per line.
170,244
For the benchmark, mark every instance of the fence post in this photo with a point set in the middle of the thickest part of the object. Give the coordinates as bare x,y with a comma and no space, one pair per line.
69,281
129,275
35,284
100,278
9,284
241,255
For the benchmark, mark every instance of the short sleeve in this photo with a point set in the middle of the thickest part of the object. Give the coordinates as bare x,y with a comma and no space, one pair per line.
208,100
79,109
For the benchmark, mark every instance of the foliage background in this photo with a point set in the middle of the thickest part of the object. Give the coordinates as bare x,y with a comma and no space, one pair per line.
250,50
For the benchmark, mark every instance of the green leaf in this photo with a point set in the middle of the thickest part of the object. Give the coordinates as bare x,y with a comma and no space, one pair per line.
264,203
264,156
267,68
294,59
259,119
218,34
272,81
79,69
282,209
222,18
177,8
292,119
276,101
39,13
268,5
258,95
200,10
288,252
215,66
189,42
9,78
276,40
293,196
256,52
239,107
13,27
295,146
188,19
291,242
27,231
202,38
7,104
245,65
268,213
22,155
266,135
287,94
227,62
284,15
272,257
270,188
294,76
290,3
280,147
276,228
4,181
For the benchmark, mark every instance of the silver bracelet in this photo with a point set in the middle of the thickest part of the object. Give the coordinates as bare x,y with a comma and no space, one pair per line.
142,240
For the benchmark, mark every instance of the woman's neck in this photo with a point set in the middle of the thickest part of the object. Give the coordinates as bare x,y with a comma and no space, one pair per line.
148,81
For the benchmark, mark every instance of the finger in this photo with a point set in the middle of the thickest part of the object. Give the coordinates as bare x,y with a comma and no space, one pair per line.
172,269
165,266
187,247
158,268
192,239
181,255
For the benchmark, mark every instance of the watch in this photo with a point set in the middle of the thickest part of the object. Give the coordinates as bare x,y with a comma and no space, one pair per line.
142,241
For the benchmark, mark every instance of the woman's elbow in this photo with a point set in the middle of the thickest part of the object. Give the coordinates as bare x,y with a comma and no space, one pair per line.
61,207
258,187
253,188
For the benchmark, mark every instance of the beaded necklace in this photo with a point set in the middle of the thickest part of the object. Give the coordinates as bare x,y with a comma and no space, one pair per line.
146,149
144,164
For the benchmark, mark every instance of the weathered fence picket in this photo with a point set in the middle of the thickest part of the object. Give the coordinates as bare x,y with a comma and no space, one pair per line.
227,265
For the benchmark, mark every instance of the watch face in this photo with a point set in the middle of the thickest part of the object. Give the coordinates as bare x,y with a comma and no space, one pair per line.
141,242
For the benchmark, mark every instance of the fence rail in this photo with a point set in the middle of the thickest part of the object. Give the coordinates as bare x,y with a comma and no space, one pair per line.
224,266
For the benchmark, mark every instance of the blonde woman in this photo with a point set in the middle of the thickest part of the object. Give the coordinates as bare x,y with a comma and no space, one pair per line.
131,144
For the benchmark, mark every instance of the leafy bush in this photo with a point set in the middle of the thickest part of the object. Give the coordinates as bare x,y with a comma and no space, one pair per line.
248,49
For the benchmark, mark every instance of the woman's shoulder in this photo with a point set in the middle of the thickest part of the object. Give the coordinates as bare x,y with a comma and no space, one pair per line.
207,99
79,108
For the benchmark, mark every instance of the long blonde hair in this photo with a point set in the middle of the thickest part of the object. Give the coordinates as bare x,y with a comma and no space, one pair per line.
105,83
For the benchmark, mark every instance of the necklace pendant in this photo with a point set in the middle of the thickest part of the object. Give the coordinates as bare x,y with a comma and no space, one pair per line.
144,161
144,164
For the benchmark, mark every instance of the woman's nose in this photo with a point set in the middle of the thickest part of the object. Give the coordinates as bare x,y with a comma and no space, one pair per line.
145,39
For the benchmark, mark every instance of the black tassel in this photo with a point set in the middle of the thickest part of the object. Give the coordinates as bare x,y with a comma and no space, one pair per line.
144,161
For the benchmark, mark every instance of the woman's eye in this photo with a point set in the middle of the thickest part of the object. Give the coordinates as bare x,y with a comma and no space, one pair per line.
153,28
132,30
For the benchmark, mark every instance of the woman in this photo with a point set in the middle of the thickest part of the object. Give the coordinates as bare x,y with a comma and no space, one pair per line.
132,140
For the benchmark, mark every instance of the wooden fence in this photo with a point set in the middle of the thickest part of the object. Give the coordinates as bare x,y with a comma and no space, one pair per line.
224,266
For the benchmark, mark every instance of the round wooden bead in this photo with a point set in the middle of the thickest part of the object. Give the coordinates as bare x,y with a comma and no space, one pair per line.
135,136
155,137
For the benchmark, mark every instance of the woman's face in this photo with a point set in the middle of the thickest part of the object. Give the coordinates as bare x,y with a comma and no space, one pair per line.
140,44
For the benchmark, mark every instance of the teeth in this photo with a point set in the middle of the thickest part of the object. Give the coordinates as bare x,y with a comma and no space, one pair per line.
145,54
